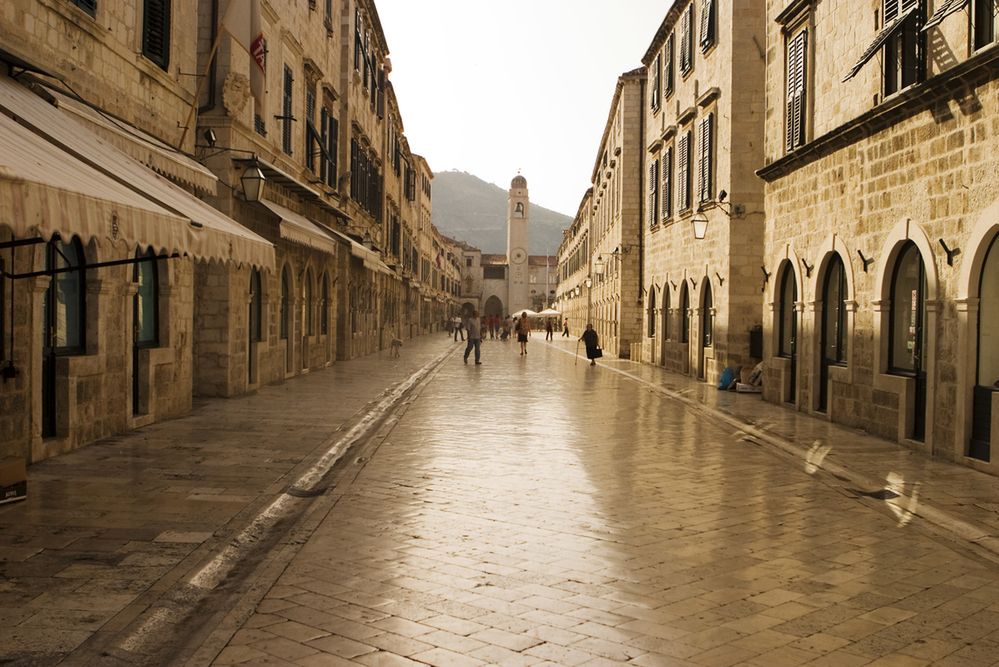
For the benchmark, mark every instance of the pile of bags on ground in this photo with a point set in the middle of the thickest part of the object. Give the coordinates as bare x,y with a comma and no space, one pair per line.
742,380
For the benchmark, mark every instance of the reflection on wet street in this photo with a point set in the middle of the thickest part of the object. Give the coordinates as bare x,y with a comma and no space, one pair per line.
532,511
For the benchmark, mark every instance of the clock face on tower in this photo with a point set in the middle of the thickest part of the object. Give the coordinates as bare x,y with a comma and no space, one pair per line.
517,256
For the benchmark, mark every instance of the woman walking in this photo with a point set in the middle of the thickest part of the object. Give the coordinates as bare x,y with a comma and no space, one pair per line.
592,343
523,328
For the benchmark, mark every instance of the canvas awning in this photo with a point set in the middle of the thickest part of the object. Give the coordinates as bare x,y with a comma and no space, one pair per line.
202,231
140,145
372,260
296,228
44,192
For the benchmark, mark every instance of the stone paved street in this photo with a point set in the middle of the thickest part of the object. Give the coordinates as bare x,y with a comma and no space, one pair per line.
532,511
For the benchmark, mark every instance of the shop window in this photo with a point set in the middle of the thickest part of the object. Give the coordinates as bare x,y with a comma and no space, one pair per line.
684,312
652,311
66,298
834,340
256,306
787,320
145,274
307,305
324,305
907,335
285,304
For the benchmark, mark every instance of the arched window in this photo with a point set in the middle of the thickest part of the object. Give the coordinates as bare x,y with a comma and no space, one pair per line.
665,312
707,315
684,309
145,311
66,298
256,306
307,305
834,340
285,303
652,311
324,305
787,322
988,320
907,335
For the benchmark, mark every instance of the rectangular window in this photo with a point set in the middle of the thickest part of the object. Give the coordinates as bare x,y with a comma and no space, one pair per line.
667,184
687,40
310,138
156,31
905,49
654,84
986,18
668,67
683,172
707,36
286,111
653,193
89,6
259,126
705,166
328,16
797,55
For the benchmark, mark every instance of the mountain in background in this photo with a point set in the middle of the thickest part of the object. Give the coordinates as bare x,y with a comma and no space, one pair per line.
468,209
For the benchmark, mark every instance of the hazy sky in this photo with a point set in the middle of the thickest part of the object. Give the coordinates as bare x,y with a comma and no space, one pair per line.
493,86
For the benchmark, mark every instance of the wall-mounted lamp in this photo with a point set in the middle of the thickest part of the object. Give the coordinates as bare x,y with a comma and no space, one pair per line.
588,282
866,260
253,182
951,254
367,241
578,291
598,266
700,224
210,138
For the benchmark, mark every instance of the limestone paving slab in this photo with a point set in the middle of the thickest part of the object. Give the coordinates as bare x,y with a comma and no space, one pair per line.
107,522
552,513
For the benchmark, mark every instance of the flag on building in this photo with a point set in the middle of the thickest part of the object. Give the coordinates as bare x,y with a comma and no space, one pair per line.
242,22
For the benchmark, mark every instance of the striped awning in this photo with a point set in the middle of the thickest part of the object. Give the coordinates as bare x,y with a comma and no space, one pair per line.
197,230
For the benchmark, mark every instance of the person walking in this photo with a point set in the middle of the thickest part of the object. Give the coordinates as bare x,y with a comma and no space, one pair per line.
565,328
549,330
458,328
592,343
473,326
523,329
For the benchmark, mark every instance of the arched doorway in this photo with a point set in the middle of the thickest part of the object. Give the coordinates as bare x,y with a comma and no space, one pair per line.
707,329
652,311
833,339
987,372
64,316
493,307
787,323
906,330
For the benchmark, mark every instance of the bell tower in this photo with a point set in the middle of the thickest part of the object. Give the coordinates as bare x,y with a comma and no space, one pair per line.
518,208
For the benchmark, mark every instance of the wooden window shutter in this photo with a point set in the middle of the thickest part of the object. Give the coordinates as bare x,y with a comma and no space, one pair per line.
286,109
667,183
707,23
324,139
686,39
796,60
156,31
654,80
668,65
310,114
683,186
704,159
891,11
332,146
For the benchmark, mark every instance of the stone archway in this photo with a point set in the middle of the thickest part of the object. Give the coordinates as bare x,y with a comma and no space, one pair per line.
493,307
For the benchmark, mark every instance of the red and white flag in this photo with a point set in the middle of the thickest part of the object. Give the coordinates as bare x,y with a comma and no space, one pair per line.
242,22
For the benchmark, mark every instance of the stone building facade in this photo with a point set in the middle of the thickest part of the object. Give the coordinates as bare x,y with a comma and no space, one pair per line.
882,216
703,134
574,295
615,235
136,269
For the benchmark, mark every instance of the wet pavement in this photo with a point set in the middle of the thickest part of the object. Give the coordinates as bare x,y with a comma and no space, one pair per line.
535,511
529,511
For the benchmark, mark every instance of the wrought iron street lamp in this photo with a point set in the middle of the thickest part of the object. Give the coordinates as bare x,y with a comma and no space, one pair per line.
253,182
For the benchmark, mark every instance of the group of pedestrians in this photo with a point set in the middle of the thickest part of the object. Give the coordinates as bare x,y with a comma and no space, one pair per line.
475,328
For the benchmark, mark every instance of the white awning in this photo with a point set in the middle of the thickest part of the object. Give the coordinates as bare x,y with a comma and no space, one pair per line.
140,145
297,228
210,234
372,260
44,192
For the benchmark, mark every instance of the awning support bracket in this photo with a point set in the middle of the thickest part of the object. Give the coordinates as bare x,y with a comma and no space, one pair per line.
98,265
